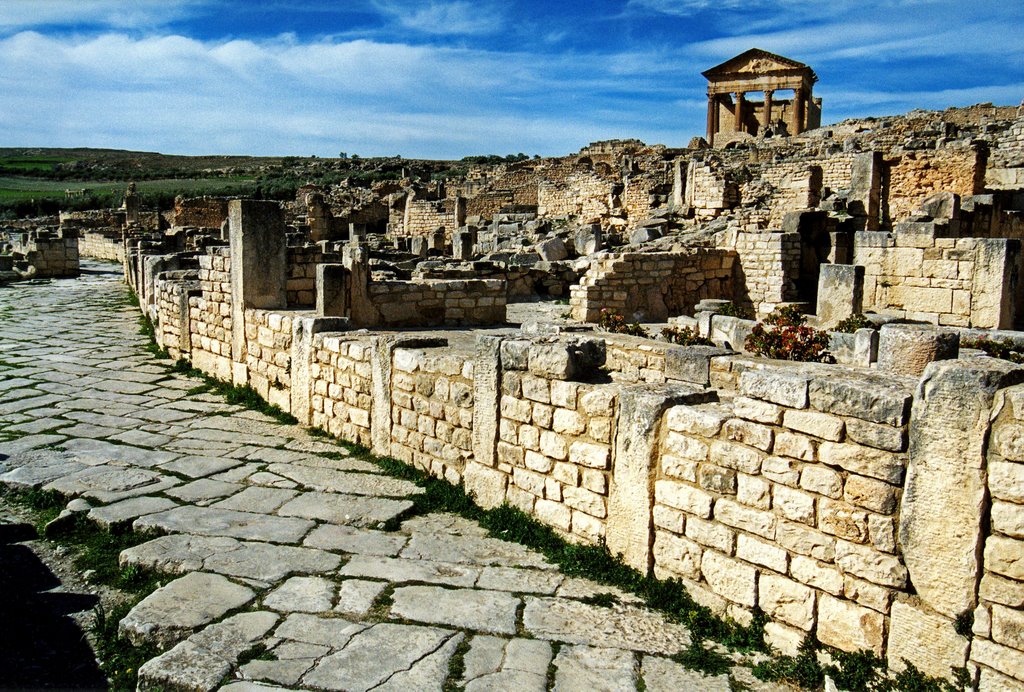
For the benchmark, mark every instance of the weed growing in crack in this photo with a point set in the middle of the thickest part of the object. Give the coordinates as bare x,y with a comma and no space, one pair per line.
456,667
119,660
707,661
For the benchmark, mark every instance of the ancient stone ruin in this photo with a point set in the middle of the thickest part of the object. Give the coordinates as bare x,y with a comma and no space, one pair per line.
875,502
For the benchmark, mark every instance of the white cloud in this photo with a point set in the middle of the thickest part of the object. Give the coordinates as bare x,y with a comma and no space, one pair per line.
442,18
116,14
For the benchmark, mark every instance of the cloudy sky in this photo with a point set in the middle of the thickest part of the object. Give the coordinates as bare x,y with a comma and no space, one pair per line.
450,78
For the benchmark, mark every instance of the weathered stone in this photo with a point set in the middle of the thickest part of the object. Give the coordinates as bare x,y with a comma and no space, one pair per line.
484,611
502,664
848,626
730,579
928,641
359,665
593,668
906,349
350,539
203,660
127,510
786,600
775,386
665,675
301,595
874,399
206,521
398,571
624,626
943,503
173,612
345,509
356,596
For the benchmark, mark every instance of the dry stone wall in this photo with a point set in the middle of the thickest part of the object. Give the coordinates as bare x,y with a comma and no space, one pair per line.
268,346
652,286
432,411
767,267
102,244
915,175
785,499
210,315
342,391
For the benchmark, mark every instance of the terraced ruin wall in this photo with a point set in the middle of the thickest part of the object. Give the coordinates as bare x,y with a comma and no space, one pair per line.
807,491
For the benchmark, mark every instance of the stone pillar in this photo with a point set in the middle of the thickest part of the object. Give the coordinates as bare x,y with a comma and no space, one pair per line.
418,246
907,349
678,185
840,293
356,234
360,310
944,512
437,241
798,110
462,245
482,480
460,211
739,111
332,290
712,117
768,95
866,189
630,529
303,331
382,349
259,269
995,282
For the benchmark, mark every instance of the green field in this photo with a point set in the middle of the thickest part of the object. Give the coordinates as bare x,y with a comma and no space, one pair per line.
14,188
33,163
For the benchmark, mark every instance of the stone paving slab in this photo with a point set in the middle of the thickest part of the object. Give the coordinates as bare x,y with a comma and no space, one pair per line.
483,611
398,571
493,664
345,509
108,483
350,539
128,510
206,521
173,612
334,481
624,627
35,468
204,659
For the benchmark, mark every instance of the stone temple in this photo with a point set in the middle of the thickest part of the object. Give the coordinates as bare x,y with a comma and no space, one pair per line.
479,329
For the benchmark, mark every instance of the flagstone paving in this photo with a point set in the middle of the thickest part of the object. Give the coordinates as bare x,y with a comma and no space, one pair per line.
271,545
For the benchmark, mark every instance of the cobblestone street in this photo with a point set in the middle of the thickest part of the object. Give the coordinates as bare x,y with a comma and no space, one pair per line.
275,538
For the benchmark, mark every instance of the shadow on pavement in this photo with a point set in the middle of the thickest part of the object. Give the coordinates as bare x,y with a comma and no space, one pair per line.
40,646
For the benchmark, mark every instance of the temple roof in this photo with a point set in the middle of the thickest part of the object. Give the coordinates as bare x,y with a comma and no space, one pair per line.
757,62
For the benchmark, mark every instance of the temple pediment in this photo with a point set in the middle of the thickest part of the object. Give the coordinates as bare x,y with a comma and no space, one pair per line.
755,62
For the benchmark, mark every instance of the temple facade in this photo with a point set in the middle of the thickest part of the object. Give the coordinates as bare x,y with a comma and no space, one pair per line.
732,115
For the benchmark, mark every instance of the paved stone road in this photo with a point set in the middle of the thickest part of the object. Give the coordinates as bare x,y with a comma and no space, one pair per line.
279,545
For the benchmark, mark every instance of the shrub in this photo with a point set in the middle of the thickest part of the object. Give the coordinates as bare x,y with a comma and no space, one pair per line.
685,336
734,310
853,323
1005,349
611,321
784,336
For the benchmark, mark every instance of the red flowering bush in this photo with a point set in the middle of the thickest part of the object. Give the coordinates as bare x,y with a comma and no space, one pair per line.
685,336
611,321
784,336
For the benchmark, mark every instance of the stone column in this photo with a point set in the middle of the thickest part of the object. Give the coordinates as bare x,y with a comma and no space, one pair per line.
840,293
259,269
630,495
485,482
739,111
866,188
944,512
907,349
768,95
331,290
798,110
712,117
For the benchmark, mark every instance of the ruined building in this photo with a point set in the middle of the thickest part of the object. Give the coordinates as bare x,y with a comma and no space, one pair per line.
875,503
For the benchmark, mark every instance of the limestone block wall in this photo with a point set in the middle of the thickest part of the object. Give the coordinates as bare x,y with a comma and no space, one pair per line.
200,212
437,302
947,281
583,195
796,186
914,175
102,244
432,411
301,284
652,286
634,360
172,325
423,217
210,315
268,344
487,204
51,255
998,644
785,499
644,193
768,265
709,191
555,447
341,387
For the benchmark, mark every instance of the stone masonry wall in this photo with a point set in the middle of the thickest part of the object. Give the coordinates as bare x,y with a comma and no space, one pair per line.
555,445
268,355
915,175
102,244
652,285
301,286
437,302
210,315
767,267
946,281
432,411
785,499
998,644
341,387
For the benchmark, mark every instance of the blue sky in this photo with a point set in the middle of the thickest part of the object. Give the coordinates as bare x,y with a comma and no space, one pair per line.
451,78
